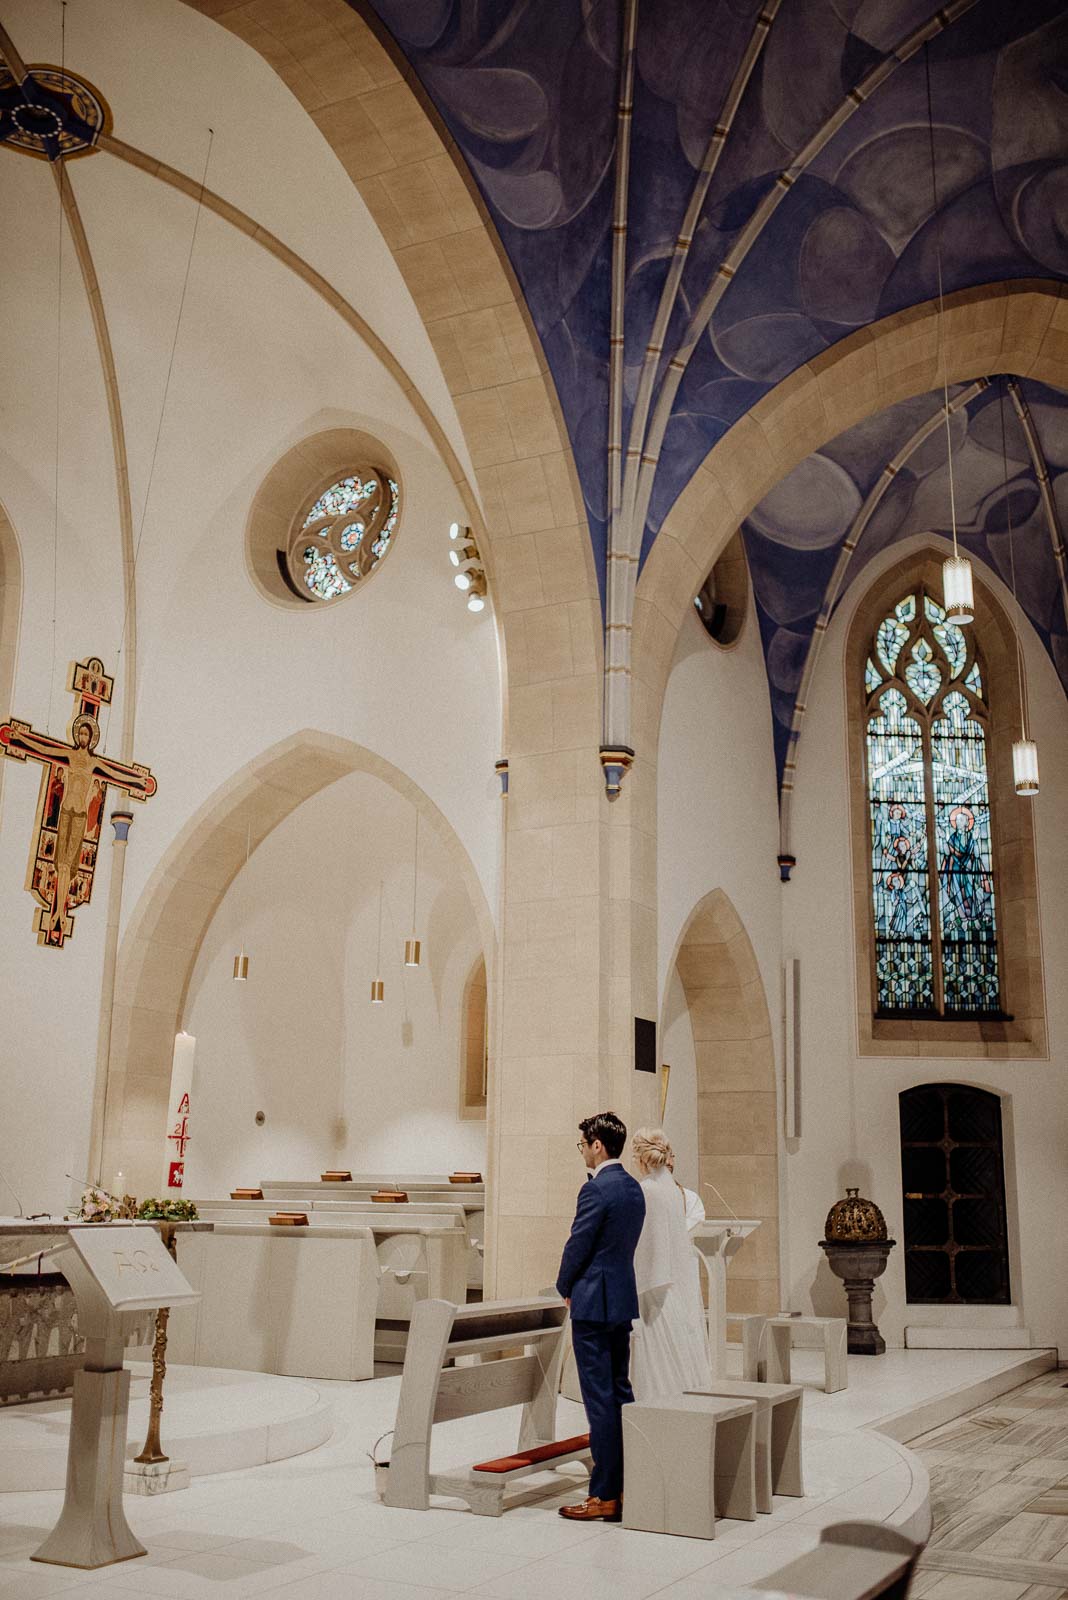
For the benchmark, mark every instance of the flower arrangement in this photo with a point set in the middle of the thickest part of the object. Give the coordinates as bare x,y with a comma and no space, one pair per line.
167,1211
96,1205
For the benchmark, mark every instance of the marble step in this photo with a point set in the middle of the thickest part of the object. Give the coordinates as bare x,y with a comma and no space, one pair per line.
968,1338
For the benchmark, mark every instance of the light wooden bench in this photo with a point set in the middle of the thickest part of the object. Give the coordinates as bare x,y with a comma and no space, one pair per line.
778,1434
854,1561
778,1339
517,1346
688,1459
423,1194
752,1326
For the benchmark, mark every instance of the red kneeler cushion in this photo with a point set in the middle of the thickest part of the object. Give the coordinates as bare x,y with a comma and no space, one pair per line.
531,1458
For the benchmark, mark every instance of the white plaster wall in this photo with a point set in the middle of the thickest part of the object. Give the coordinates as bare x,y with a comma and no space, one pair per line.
341,1082
260,363
680,1112
850,1131
717,827
71,592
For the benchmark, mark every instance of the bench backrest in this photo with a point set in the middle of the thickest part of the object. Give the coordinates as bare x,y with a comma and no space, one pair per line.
363,1213
418,1184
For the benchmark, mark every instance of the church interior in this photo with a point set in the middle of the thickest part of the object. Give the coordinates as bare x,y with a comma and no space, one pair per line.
532,581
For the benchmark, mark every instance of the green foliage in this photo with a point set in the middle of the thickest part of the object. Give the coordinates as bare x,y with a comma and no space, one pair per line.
167,1211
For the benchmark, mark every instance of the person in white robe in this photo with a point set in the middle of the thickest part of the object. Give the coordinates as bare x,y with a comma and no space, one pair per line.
669,1345
694,1205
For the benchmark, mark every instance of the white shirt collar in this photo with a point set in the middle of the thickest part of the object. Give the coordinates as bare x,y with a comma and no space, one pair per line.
613,1161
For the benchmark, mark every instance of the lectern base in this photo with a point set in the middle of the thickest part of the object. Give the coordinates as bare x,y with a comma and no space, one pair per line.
92,1530
155,1477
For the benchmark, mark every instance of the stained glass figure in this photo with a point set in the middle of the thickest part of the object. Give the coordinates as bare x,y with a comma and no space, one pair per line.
331,549
900,890
932,861
965,868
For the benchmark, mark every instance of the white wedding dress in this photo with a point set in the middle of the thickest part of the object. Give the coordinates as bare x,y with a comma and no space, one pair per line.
669,1345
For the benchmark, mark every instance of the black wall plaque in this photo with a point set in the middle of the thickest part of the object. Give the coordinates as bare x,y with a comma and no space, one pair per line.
644,1045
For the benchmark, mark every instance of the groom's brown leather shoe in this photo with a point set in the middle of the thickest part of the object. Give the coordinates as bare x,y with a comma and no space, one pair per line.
594,1510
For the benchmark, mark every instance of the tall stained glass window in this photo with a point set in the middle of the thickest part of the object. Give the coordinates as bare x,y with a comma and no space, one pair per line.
932,866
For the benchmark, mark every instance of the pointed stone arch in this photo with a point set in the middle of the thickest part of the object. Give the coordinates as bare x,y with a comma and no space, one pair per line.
1019,327
737,1102
159,949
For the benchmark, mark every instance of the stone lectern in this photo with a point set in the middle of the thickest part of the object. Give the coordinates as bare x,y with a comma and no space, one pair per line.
115,1272
716,1241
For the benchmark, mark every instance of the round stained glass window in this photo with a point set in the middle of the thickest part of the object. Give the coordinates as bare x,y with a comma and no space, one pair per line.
342,535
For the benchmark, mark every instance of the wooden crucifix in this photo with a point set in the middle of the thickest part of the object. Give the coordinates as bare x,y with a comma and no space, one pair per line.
70,809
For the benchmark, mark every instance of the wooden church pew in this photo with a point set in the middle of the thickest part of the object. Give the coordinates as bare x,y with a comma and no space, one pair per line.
516,1347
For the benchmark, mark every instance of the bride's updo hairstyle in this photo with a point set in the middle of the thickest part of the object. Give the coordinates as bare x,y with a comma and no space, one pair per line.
652,1149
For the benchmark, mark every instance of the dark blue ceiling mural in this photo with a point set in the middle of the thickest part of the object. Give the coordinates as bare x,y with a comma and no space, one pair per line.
528,90
798,538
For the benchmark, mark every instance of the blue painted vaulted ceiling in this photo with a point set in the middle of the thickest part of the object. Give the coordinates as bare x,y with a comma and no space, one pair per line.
528,90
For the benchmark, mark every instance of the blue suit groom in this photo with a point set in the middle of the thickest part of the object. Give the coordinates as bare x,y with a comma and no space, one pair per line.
597,1276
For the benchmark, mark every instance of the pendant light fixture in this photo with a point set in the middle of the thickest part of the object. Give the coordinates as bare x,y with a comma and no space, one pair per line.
412,946
378,988
1024,750
957,590
241,959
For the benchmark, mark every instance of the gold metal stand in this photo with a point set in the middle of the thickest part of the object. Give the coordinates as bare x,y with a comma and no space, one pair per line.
152,1451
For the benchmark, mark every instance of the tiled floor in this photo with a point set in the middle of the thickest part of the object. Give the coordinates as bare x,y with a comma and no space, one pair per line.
311,1527
999,1494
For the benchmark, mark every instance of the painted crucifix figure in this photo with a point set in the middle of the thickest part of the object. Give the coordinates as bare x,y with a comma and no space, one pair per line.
71,804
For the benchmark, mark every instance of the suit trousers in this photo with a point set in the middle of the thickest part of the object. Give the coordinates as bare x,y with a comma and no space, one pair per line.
602,1357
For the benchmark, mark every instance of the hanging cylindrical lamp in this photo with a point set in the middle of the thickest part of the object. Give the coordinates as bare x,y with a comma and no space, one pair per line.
412,946
378,988
1025,766
957,591
241,959
1024,750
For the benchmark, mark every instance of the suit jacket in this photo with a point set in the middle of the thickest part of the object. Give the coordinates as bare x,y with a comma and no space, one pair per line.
597,1267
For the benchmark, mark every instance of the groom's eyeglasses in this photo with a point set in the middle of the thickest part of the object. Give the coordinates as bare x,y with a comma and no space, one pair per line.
582,1145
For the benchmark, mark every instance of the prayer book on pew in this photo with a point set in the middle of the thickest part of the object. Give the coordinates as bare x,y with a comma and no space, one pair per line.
465,1177
390,1197
246,1194
288,1219
335,1177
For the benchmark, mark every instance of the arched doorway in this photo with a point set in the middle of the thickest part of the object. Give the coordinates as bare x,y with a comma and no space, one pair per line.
736,1103
953,1196
159,951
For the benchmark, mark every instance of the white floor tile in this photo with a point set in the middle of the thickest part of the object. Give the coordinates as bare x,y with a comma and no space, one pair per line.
435,1567
344,1586
742,1566
564,1578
